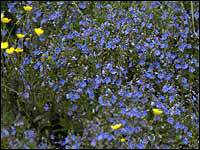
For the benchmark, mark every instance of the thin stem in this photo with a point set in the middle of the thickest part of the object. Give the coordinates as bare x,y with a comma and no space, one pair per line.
192,10
10,89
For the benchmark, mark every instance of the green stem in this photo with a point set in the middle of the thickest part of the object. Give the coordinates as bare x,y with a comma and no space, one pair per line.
192,10
10,89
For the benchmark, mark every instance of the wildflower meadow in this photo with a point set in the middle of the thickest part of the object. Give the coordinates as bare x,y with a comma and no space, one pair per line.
99,74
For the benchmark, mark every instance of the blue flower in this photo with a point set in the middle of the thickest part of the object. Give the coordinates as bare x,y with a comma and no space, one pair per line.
98,65
164,45
184,80
189,134
171,98
108,6
185,141
127,31
157,53
113,99
161,75
37,52
37,65
84,48
140,146
100,137
118,82
138,94
149,75
191,69
91,93
116,40
4,133
70,36
26,95
38,13
123,46
53,16
83,84
177,125
21,69
43,146
29,134
184,66
107,80
196,15
144,100
72,96
76,34
66,141
166,88
129,94
4,32
142,62
149,25
100,100
170,120
98,5
97,80
178,66
93,143
82,5
73,137
62,81
46,107
109,45
26,147
177,111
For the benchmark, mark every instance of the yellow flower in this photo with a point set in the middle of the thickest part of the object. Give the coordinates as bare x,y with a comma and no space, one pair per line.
38,31
5,20
27,8
20,36
4,44
18,50
123,140
49,58
117,126
2,15
10,50
157,111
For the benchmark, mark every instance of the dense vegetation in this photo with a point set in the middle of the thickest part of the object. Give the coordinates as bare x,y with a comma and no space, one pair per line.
99,74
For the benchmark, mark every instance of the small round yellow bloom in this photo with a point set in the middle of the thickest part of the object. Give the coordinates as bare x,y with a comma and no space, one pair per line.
38,31
4,44
117,126
27,8
20,36
5,20
10,50
18,50
123,140
157,111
